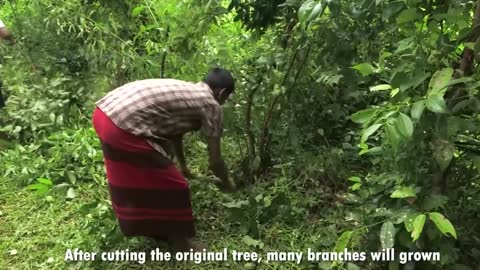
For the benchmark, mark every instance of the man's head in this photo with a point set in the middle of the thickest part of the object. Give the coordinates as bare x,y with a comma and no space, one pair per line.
221,82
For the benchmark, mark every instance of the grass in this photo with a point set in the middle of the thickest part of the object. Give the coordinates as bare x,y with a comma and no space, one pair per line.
36,231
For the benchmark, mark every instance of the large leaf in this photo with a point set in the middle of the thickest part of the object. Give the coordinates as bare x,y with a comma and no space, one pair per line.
392,135
365,69
443,224
436,103
369,131
387,235
305,10
404,125
317,11
418,224
404,192
363,116
343,241
417,110
407,15
439,81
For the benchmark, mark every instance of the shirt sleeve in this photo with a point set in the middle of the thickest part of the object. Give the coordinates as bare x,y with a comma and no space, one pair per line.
212,121
2,25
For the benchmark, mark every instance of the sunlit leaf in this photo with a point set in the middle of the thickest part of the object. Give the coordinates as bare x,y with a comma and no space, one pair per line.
381,87
365,69
343,241
355,179
418,224
404,192
443,224
305,10
70,193
137,10
317,10
252,242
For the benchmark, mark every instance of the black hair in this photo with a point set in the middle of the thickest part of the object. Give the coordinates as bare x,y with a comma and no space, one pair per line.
219,78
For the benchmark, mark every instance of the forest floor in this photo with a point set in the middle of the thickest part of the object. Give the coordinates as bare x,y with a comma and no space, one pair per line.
36,231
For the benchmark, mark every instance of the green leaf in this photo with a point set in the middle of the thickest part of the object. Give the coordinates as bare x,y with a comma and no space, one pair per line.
407,15
418,224
415,81
137,10
355,179
439,82
45,181
409,222
394,92
369,131
305,10
343,241
365,69
317,10
381,87
403,214
443,224
71,177
417,110
364,116
404,125
387,235
404,192
36,186
70,193
252,242
392,135
436,104
236,204
356,186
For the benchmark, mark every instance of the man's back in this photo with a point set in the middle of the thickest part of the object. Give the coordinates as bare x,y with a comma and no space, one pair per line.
159,108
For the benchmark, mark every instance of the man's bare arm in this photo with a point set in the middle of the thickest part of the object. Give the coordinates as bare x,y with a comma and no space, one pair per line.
217,165
5,34
178,149
177,142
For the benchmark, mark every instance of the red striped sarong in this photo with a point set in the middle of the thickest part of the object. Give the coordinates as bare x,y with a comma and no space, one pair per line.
149,195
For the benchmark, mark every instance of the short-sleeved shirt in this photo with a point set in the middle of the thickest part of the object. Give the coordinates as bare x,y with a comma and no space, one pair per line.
161,108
